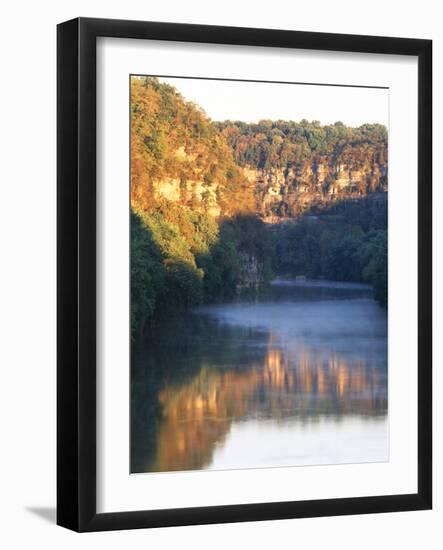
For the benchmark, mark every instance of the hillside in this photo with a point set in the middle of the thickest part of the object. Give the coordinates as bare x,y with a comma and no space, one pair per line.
179,155
297,166
203,194
277,170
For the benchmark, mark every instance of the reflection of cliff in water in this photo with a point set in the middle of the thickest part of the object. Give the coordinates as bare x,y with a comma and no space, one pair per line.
198,376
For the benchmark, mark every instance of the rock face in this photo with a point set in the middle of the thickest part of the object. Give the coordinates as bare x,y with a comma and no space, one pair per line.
281,194
194,193
289,193
251,272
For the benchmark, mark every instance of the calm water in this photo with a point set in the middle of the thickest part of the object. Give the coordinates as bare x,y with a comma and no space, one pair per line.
297,376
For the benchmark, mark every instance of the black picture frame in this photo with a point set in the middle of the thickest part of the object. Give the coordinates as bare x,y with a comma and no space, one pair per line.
76,266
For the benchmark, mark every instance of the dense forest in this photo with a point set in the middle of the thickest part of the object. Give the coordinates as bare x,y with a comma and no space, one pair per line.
216,207
284,144
347,242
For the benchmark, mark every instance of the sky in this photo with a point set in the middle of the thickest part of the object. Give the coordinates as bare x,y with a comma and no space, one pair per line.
252,101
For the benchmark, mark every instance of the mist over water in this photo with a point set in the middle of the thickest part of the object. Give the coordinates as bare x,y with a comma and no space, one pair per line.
296,376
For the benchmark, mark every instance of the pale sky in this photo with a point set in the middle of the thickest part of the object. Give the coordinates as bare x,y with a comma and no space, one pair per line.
252,101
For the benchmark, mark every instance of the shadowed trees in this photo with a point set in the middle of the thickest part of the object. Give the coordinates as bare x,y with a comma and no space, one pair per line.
347,242
181,258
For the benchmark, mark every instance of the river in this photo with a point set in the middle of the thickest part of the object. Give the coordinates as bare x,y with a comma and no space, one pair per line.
294,376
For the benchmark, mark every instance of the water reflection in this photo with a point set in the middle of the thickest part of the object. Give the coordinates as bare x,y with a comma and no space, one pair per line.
278,381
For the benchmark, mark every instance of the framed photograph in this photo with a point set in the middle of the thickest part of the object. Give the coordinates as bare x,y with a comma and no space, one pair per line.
244,274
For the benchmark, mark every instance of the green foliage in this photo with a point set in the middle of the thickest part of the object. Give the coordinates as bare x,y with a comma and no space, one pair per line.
163,270
375,270
182,288
221,269
239,238
285,144
180,258
147,275
346,243
251,237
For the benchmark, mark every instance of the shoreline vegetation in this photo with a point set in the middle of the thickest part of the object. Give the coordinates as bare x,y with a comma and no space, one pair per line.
221,206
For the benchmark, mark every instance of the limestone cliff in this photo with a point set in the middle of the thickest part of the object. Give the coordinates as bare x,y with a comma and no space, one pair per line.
288,193
193,193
